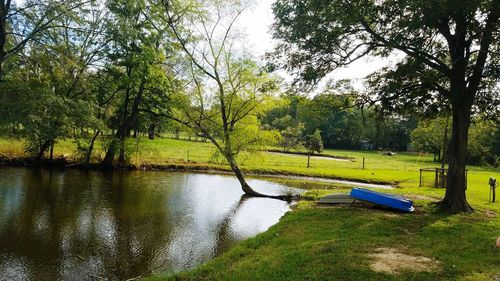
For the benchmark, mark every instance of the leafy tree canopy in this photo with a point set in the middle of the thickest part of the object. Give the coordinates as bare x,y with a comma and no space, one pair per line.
450,57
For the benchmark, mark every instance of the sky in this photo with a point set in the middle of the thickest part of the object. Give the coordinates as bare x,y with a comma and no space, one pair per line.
256,21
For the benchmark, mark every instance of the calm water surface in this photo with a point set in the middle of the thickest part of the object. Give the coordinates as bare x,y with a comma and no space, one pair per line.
86,225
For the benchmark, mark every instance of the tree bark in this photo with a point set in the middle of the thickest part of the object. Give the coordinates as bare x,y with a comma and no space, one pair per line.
151,131
445,140
455,198
116,143
4,7
109,158
41,151
2,58
246,187
121,155
51,155
131,122
88,155
107,162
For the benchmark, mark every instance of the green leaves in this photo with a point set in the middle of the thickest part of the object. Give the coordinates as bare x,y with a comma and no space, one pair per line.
313,142
437,41
429,136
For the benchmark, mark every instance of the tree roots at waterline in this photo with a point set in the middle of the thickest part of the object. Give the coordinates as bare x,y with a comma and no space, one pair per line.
250,192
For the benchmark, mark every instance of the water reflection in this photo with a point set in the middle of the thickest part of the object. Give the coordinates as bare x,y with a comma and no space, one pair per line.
82,225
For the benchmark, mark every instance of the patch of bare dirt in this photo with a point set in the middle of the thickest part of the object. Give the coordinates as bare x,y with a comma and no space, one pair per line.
395,261
422,197
490,214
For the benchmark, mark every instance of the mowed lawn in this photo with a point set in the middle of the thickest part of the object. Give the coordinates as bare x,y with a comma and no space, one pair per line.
336,243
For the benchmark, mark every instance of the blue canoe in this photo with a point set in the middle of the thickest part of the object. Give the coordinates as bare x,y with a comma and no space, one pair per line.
392,201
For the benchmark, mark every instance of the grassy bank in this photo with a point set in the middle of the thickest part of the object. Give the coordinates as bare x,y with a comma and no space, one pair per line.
337,243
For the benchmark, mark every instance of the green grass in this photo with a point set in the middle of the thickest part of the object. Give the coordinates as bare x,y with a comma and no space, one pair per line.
333,243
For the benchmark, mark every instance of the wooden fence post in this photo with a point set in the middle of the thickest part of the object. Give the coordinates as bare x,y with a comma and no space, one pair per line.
493,185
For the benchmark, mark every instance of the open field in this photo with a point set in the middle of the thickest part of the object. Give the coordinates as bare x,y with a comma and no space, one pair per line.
336,243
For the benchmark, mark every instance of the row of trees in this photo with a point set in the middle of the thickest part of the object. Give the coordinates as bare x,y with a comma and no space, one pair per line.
346,125
77,76
433,136
342,123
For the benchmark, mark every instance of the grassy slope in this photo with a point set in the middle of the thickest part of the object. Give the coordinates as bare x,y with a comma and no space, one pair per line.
315,243
318,243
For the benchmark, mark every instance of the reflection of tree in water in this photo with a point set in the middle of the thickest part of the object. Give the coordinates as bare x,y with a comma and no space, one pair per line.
81,225
195,239
142,225
61,230
223,238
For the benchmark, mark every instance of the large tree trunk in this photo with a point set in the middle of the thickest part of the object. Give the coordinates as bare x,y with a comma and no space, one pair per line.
109,158
131,122
1,66
2,48
116,143
4,11
455,199
445,140
88,154
41,151
121,156
151,131
51,154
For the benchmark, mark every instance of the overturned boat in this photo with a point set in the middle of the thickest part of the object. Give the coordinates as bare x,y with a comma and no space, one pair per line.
383,199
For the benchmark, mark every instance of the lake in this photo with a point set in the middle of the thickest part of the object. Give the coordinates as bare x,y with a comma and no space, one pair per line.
86,225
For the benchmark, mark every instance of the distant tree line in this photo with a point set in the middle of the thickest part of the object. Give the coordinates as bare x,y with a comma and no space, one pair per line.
344,124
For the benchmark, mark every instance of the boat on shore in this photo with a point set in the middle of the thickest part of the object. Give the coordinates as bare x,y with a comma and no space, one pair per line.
383,199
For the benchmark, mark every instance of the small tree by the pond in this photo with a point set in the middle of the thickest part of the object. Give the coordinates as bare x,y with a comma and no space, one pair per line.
313,142
227,91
